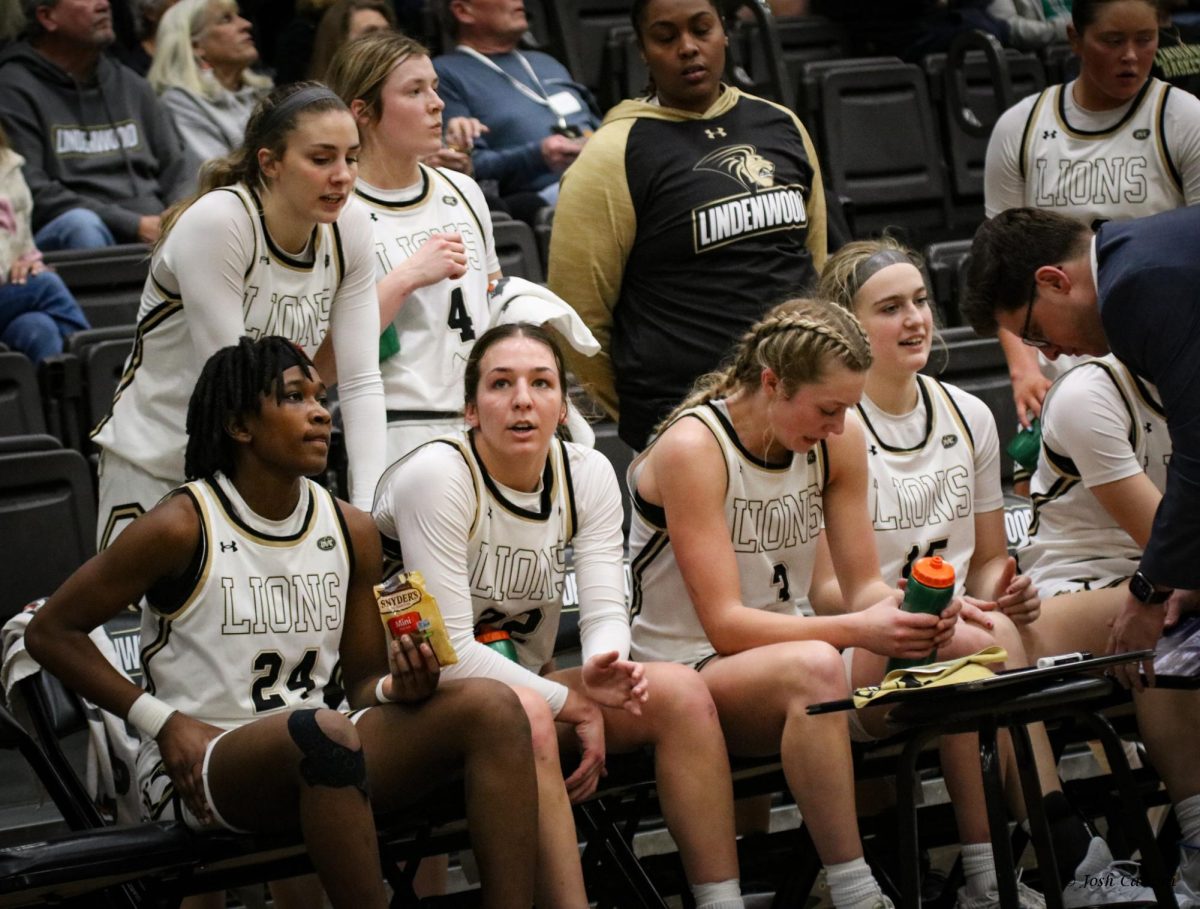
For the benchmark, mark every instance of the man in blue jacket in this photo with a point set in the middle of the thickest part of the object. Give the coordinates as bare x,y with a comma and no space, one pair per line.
537,118
1131,288
102,158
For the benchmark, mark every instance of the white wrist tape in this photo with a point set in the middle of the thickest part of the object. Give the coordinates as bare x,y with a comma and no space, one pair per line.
379,695
148,715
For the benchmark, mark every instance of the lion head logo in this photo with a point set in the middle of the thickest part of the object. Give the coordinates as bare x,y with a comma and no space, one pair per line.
741,163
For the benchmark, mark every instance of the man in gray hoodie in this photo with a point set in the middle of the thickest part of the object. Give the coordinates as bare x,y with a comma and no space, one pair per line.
102,158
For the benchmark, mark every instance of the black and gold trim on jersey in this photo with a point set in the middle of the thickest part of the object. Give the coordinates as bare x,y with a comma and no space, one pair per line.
284,258
254,236
732,436
546,501
172,305
432,179
654,547
265,539
171,598
1060,113
161,636
418,199
927,387
1059,488
119,514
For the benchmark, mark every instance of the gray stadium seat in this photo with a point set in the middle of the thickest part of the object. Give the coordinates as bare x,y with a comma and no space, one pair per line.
944,262
517,249
79,384
897,177
581,29
106,282
20,400
47,522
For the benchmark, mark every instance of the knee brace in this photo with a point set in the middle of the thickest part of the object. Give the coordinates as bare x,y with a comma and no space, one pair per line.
325,762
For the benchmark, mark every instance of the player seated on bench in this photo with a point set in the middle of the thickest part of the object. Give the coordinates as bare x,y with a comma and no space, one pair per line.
257,583
1097,486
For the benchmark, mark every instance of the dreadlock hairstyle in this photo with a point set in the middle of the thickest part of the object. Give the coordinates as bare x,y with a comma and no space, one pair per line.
232,384
274,119
797,340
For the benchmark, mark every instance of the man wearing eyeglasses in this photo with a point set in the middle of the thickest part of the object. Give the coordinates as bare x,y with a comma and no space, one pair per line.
1131,288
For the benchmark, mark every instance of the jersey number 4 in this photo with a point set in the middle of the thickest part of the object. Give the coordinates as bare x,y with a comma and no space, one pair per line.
460,319
268,667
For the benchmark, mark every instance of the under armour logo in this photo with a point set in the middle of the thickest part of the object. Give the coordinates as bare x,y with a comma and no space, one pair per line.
229,547
1049,134
326,260
374,217
1148,427
265,260
719,132
872,449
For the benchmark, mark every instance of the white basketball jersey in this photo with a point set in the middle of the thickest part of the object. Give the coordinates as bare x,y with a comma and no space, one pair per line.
922,495
257,626
1074,544
438,324
774,513
516,551
282,295
1122,172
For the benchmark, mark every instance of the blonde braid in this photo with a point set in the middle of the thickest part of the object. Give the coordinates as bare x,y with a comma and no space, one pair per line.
795,340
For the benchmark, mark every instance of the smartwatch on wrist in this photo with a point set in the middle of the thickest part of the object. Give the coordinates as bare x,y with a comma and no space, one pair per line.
1144,591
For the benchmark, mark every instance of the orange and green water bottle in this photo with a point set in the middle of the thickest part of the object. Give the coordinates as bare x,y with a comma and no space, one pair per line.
930,590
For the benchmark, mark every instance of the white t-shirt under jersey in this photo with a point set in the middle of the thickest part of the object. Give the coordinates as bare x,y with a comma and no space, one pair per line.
219,276
931,471
774,512
496,556
438,324
1074,544
1135,160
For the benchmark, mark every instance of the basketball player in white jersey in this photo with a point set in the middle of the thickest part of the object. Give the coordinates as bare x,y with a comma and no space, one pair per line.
933,458
719,566
1113,143
487,517
268,247
434,251
258,583
1098,483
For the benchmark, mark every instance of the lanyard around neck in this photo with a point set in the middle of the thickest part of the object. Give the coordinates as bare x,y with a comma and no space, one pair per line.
540,96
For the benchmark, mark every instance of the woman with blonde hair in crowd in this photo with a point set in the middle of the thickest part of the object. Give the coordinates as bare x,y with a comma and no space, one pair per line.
202,72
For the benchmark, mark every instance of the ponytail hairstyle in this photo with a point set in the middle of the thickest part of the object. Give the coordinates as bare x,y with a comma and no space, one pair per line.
493,336
797,340
273,121
232,384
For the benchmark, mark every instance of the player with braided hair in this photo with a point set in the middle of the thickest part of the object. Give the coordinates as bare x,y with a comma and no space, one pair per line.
731,502
272,244
257,584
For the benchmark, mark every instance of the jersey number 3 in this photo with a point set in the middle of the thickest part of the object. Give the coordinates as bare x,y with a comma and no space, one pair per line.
460,319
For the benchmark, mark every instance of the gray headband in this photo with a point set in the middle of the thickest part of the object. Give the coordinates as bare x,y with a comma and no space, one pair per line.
869,267
295,102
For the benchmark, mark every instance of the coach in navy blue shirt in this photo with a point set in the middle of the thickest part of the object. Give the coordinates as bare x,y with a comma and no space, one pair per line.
1133,289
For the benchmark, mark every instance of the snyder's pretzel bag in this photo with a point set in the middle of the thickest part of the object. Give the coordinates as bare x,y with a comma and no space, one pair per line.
406,607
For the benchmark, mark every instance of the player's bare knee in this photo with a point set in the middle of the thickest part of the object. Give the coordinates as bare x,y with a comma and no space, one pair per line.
680,695
816,672
331,753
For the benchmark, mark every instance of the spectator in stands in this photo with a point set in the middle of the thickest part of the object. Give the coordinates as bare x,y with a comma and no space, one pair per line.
254,748
717,579
435,254
12,21
688,214
1129,289
1033,24
136,43
342,23
537,117
102,157
269,245
509,485
1114,143
202,74
37,312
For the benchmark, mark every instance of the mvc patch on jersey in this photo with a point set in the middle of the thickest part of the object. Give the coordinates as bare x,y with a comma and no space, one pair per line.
949,440
761,208
326,543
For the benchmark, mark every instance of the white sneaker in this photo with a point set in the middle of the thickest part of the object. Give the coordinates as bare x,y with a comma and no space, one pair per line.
1027,898
1187,895
1100,881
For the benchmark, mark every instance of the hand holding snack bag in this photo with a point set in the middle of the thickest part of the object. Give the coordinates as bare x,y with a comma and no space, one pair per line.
406,607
